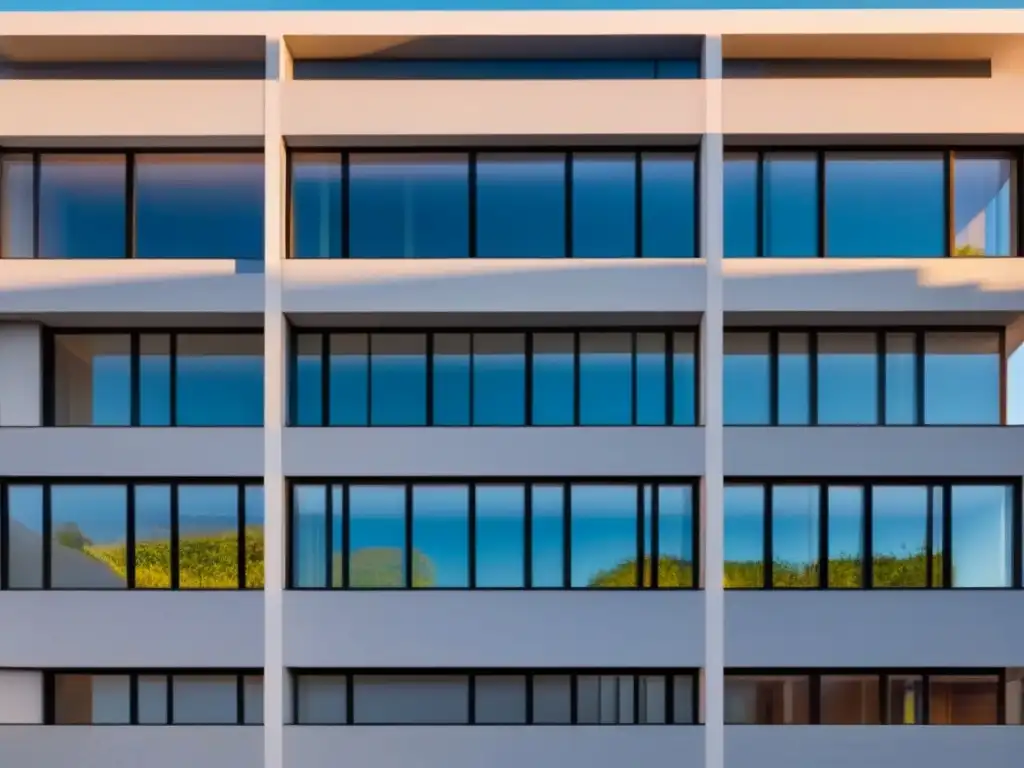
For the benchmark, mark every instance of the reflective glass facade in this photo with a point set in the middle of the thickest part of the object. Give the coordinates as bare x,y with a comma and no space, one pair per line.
493,204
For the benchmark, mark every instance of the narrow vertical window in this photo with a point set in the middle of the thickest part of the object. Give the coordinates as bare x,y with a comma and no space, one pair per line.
604,205
669,210
984,205
316,205
744,536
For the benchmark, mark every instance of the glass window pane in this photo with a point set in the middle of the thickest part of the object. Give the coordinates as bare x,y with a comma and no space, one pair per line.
199,206
520,205
794,384
153,700
316,205
982,535
500,700
92,380
849,700
684,379
900,536
845,537
155,380
744,536
900,378
208,536
419,700
253,700
961,378
82,208
747,374
983,205
92,700
938,495
847,378
740,205
220,379
337,558
153,536
767,700
905,700
552,699
963,700
650,379
795,536
205,699
604,530
24,545
377,536
669,207
606,378
89,536
675,536
499,379
604,699
652,699
17,206
254,529
548,536
683,710
321,700
790,187
604,205
866,211
398,379
451,379
440,536
348,391
500,535
308,396
553,379
412,206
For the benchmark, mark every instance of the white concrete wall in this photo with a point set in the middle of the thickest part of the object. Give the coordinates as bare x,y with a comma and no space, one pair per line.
21,375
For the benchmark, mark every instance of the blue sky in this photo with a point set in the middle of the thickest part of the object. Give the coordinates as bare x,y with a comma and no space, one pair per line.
95,5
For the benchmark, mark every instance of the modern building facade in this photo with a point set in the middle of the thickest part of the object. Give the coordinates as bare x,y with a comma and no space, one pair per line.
511,389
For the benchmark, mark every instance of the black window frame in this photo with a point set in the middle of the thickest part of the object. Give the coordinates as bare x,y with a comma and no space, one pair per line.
692,150
883,674
134,673
528,483
819,155
944,515
668,334
881,333
49,372
129,155
528,674
173,484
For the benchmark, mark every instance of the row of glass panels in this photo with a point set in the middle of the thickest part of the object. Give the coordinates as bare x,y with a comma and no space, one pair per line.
509,204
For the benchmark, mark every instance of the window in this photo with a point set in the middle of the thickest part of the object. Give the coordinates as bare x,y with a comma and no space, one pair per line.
398,535
155,698
842,377
494,697
490,378
495,69
113,534
68,205
882,534
867,697
852,204
492,204
154,379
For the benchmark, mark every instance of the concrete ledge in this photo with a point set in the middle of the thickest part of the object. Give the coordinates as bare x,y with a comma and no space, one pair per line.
493,628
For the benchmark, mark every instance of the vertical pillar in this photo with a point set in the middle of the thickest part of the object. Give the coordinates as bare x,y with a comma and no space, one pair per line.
274,366
712,239
21,375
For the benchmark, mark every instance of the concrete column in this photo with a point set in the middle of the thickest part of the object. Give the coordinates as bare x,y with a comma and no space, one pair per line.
274,367
21,697
21,375
712,237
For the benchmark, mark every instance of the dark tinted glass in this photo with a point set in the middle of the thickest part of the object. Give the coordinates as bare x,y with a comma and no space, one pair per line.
850,700
669,212
82,206
316,205
219,380
521,205
606,386
348,393
604,205
308,383
747,374
499,379
199,206
408,206
398,379
790,189
651,374
740,205
452,371
553,379
684,379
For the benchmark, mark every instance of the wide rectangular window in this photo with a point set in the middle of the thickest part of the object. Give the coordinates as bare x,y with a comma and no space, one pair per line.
849,700
114,534
600,203
494,378
82,206
424,700
767,700
883,534
155,379
485,535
